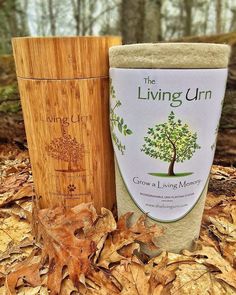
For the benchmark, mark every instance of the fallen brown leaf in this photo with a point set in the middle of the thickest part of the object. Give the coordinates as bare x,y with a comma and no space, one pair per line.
133,279
62,248
125,235
88,254
195,279
30,270
226,228
13,230
209,256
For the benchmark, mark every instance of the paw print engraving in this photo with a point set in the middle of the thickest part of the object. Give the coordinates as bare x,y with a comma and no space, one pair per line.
71,187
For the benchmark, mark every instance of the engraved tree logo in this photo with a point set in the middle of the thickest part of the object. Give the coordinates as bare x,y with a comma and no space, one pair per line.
171,142
67,149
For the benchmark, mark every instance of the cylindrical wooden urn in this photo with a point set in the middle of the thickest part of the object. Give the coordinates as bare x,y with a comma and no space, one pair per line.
63,83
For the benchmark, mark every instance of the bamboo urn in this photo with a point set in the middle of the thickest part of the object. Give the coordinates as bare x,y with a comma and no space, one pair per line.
63,83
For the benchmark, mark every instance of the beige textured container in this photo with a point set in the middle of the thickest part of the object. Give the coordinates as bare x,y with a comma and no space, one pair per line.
63,83
180,234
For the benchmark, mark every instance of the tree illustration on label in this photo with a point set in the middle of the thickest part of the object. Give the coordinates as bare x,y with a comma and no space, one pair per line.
67,149
171,142
213,146
117,122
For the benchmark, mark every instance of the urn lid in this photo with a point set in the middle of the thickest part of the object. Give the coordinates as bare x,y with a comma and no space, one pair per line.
62,57
170,55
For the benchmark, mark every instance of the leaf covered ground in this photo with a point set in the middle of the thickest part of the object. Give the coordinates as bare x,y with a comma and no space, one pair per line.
82,252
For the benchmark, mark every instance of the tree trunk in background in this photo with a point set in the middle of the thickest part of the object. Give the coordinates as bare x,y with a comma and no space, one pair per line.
132,21
108,19
226,146
218,16
92,6
153,31
108,25
83,17
13,22
188,17
76,14
140,21
128,21
206,17
24,18
10,11
159,20
233,20
52,18
40,12
90,16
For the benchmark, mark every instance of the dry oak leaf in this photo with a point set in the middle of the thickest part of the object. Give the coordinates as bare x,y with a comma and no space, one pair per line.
170,258
62,248
125,235
229,252
104,224
3,290
233,213
13,230
196,279
133,279
161,273
128,251
223,173
24,191
26,205
30,290
225,227
213,200
28,270
14,249
27,290
206,240
210,257
12,184
67,287
102,282
219,173
21,209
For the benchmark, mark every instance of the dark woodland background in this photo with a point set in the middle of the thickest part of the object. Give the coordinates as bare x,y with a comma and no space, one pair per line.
136,21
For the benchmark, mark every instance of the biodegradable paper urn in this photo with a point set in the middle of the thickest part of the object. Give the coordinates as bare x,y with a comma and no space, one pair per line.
166,102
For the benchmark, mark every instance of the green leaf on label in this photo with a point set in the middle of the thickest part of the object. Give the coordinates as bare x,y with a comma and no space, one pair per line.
120,127
117,122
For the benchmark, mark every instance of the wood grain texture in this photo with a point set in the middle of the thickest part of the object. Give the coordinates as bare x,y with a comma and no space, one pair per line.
67,129
63,85
62,57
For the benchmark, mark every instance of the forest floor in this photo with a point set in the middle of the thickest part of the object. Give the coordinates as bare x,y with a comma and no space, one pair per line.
111,262
116,265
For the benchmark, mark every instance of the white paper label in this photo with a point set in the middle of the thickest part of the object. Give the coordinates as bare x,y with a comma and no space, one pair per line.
164,125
